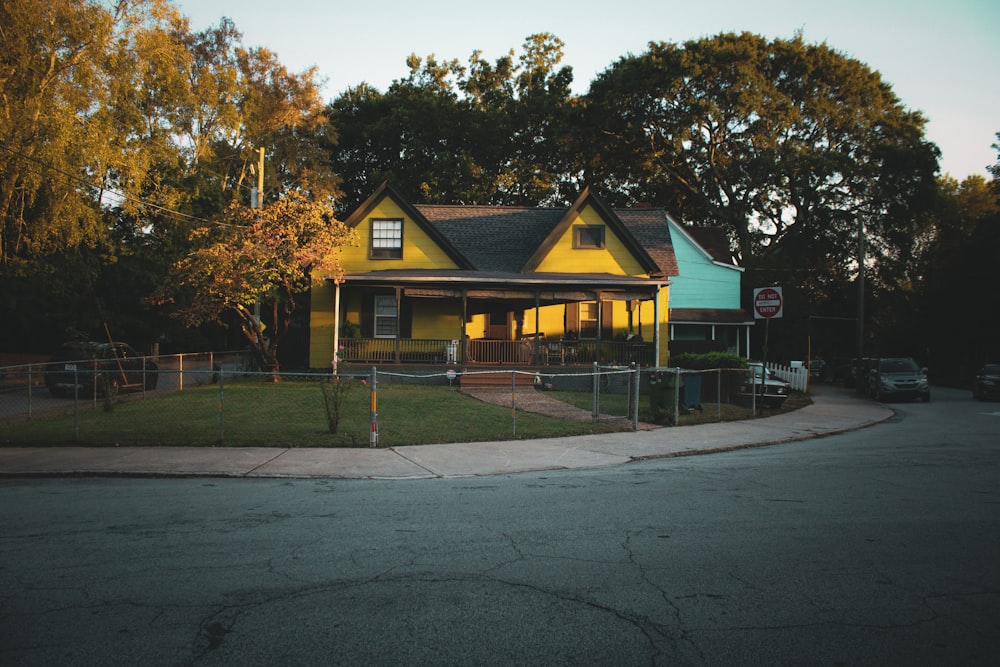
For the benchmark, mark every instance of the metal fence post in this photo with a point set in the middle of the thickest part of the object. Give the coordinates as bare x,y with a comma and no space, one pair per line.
718,391
677,395
222,408
76,404
180,372
596,403
29,391
373,438
635,396
513,404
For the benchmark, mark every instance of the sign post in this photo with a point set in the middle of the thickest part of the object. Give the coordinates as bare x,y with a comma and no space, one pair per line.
768,304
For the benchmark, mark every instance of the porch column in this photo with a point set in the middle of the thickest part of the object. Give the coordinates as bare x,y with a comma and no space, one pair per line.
600,325
465,318
336,324
399,320
656,327
538,306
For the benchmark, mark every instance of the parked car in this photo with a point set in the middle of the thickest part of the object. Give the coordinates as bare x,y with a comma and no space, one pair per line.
898,377
772,392
89,368
987,383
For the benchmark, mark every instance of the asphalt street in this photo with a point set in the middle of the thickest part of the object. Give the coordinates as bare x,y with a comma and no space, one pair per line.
876,546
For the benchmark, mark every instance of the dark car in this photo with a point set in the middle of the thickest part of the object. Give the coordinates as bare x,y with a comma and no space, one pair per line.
91,368
987,383
898,377
772,392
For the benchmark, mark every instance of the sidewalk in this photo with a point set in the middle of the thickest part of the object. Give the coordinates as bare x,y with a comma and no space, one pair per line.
834,410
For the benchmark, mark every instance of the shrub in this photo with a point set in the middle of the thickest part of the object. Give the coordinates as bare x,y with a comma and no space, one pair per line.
708,360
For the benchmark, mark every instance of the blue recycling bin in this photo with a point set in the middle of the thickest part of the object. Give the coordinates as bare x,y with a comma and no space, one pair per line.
691,391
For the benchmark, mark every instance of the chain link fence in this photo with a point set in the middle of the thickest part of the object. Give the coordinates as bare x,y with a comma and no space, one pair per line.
215,399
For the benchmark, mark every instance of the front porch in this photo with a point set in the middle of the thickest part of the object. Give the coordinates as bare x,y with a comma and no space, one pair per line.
530,350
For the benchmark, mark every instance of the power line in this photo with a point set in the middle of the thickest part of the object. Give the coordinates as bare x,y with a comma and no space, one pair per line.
103,189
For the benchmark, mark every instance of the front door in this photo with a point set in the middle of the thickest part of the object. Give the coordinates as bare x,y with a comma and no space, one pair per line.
498,324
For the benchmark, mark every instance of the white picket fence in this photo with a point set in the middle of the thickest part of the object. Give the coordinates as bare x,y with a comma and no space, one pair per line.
797,376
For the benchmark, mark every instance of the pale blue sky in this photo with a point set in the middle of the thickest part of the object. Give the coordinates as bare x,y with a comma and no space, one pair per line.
941,57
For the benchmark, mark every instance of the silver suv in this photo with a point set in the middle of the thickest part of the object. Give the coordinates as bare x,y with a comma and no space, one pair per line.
898,377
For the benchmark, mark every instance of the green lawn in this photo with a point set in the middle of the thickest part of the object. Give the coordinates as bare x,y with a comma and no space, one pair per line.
290,414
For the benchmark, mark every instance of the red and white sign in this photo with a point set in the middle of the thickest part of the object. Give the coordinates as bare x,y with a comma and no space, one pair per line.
767,303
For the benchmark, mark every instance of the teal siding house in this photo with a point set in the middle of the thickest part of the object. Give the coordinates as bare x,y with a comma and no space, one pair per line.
705,313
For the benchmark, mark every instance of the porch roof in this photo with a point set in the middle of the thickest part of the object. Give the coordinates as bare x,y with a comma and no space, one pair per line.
726,316
550,286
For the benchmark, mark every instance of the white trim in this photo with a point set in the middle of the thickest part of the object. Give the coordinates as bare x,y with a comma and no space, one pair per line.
690,239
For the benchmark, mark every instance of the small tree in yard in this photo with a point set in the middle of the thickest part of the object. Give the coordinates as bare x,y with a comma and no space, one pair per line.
261,256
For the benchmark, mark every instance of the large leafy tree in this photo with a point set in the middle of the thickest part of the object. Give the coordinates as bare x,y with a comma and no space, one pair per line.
121,131
488,133
265,256
79,82
785,143
70,107
960,285
802,153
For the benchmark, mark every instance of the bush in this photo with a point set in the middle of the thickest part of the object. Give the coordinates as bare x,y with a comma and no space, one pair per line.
708,360
730,382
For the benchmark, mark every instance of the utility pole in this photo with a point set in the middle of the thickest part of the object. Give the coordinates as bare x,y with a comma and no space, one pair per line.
861,287
257,193
257,202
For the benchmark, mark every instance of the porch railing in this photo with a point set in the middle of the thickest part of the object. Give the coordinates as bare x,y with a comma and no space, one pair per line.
496,352
404,350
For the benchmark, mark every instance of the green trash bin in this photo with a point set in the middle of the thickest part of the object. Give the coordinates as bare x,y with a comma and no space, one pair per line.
661,395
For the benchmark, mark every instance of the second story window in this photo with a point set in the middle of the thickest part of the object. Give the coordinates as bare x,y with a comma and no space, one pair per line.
387,239
588,236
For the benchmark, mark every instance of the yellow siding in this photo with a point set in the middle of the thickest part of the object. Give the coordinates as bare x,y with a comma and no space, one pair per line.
476,327
419,251
321,325
551,321
614,258
436,319
664,326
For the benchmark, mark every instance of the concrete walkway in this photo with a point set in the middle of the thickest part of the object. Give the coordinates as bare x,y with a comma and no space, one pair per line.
834,410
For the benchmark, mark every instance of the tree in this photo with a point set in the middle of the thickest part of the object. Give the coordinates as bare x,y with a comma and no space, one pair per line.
267,256
489,133
961,289
781,142
69,103
121,131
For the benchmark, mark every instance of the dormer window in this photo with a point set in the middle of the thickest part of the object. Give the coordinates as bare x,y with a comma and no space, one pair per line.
387,238
588,236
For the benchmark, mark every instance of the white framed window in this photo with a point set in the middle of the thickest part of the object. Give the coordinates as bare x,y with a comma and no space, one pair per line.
386,317
387,239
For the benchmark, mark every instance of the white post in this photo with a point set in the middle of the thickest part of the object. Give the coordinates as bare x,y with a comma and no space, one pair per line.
336,325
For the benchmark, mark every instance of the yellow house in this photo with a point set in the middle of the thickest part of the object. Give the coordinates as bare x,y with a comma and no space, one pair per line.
506,285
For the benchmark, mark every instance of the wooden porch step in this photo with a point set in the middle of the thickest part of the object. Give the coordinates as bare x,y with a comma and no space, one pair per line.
471,378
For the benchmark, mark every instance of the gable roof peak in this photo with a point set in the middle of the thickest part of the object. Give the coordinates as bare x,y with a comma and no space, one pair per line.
386,191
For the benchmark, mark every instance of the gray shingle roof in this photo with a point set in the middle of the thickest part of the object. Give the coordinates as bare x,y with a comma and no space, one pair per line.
503,238
650,229
493,238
